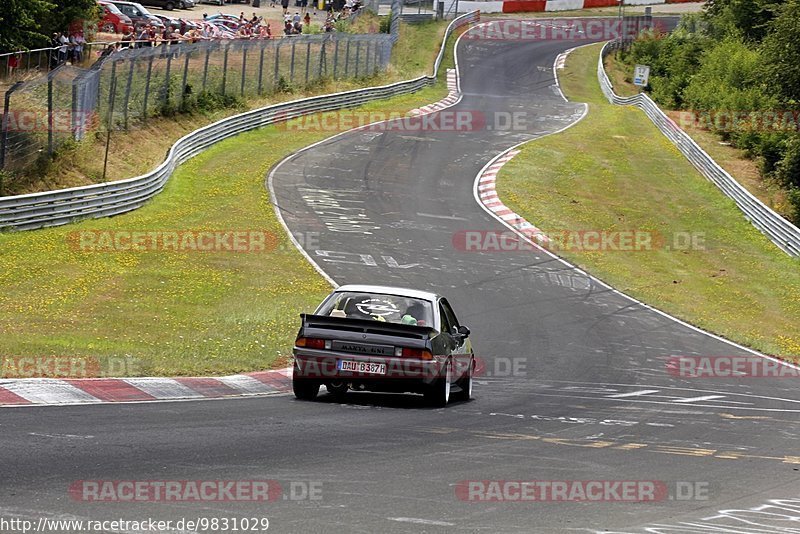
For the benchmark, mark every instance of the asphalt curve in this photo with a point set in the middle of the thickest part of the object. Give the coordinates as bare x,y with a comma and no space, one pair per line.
576,386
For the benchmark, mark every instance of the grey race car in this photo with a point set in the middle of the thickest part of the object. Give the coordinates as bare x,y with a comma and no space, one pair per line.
388,339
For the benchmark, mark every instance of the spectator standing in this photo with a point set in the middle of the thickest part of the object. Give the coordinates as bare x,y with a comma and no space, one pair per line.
127,38
143,38
285,6
63,50
13,63
77,43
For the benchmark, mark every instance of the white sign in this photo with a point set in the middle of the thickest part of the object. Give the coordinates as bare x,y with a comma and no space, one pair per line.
641,75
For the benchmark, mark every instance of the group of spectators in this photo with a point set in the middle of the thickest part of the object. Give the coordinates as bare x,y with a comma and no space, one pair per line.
293,25
67,48
70,48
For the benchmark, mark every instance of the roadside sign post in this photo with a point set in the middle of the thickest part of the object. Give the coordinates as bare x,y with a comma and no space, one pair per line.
641,75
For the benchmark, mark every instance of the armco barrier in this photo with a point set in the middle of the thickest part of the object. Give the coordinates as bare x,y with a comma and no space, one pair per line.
780,231
53,208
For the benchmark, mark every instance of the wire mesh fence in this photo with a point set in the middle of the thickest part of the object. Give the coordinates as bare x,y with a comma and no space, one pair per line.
126,88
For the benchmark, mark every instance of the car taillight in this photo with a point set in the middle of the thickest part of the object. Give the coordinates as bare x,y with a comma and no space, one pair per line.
313,343
419,354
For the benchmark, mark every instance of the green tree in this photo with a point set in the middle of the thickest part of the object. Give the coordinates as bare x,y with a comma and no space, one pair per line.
70,14
746,18
31,23
21,24
781,53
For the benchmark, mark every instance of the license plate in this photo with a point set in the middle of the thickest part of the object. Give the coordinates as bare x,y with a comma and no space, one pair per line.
361,367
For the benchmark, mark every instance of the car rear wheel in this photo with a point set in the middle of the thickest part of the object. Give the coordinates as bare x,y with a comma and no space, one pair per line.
438,394
465,383
170,6
304,388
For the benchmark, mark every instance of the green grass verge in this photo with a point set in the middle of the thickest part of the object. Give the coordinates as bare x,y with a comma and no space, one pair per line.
191,313
615,171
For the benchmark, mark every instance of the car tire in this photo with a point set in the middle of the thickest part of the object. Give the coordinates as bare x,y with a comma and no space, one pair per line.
438,393
109,28
465,383
337,389
304,388
170,6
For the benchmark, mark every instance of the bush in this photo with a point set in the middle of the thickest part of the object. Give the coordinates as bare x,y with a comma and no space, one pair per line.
729,78
787,170
385,24
672,59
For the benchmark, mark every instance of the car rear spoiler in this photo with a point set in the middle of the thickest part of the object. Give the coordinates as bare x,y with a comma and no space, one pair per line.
366,326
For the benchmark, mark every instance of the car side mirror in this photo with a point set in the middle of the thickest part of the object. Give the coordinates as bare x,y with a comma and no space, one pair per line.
462,331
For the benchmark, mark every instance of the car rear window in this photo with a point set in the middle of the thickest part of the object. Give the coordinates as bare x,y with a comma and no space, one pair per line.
378,307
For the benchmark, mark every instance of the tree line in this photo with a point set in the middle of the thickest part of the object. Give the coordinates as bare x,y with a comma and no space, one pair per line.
28,24
736,68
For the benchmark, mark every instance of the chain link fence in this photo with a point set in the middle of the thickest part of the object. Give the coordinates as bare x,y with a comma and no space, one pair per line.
126,88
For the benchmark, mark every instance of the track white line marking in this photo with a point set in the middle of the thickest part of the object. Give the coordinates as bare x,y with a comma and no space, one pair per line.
697,399
418,521
450,217
632,394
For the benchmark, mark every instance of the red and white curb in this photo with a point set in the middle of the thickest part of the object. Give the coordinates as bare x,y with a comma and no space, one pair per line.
487,194
51,392
453,97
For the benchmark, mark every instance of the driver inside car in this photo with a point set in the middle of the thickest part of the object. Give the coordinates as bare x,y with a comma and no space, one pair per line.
414,315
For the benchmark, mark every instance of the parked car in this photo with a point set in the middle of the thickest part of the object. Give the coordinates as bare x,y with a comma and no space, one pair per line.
215,2
137,13
182,25
387,339
169,5
114,20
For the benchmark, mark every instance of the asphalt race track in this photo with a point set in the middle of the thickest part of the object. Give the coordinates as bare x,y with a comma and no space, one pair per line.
576,385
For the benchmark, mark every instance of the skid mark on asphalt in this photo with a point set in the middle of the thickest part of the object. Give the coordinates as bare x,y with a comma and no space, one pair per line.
623,445
776,516
652,394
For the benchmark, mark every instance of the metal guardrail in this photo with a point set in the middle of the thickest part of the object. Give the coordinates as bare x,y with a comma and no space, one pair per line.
780,231
53,208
